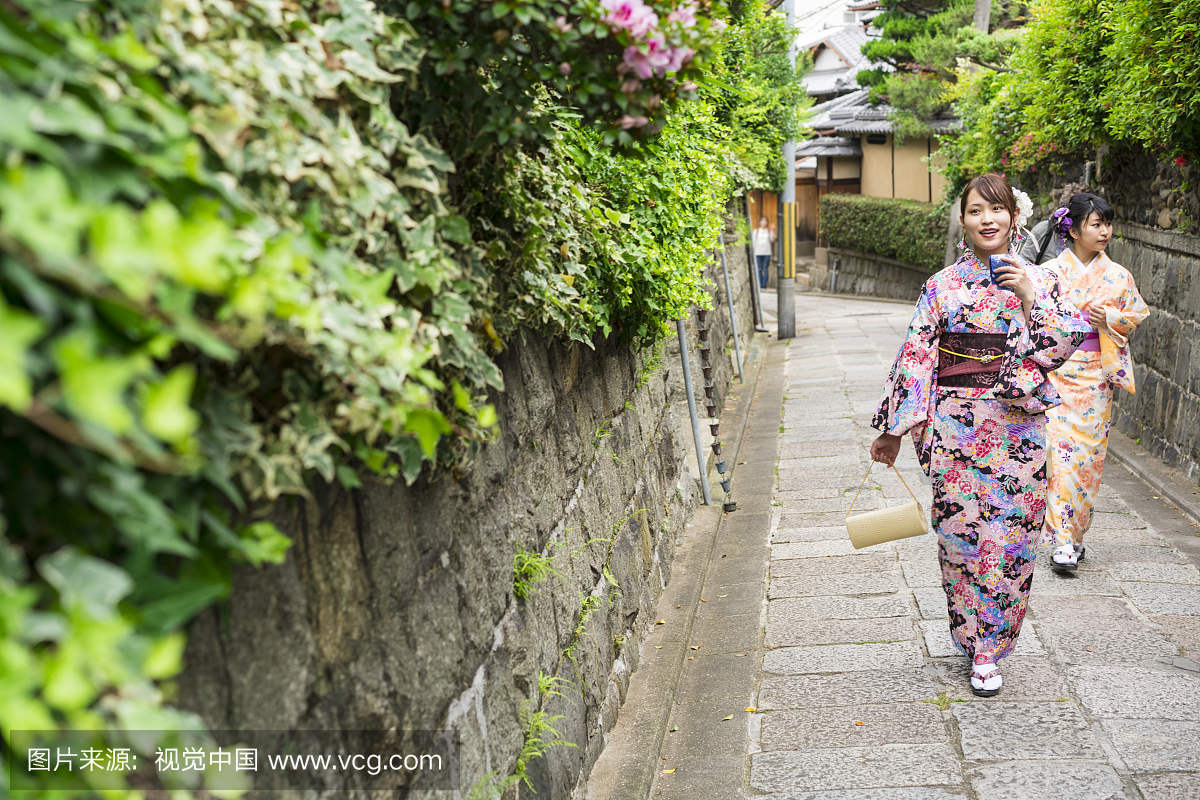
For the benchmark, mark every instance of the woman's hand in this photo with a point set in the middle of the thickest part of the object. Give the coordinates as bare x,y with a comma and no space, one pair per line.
885,448
1097,317
1012,276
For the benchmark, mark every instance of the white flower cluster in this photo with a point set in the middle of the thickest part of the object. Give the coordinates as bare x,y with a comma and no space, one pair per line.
1024,207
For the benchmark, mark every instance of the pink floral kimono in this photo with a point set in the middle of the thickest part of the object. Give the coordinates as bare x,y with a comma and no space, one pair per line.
984,448
1078,429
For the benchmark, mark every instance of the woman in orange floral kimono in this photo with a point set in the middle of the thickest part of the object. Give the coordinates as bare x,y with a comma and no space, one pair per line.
1077,430
970,385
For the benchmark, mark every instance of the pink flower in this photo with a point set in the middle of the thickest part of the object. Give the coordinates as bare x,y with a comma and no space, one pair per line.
631,86
1181,161
562,25
653,61
626,122
718,25
680,56
632,15
685,15
564,68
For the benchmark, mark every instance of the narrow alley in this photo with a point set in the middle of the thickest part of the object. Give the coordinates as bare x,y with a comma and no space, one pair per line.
813,671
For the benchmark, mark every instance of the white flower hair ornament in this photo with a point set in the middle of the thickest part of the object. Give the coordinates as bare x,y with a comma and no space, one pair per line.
1024,213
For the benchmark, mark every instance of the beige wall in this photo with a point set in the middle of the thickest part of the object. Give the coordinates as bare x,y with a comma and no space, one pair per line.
877,168
908,174
912,176
844,167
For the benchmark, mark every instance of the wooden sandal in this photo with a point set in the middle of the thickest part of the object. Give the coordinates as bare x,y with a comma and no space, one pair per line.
983,679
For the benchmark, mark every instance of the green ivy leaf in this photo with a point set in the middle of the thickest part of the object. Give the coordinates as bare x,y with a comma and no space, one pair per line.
167,412
18,330
85,583
428,425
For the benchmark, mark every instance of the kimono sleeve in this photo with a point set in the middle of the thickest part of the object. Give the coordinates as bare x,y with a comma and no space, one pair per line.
1123,313
908,393
1130,311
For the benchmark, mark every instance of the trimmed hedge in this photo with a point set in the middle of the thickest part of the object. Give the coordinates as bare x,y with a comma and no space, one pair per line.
905,230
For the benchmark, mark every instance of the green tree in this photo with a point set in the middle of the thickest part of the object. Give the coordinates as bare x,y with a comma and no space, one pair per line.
760,98
921,51
1153,66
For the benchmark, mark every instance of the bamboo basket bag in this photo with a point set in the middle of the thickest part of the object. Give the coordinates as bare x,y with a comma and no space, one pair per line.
885,524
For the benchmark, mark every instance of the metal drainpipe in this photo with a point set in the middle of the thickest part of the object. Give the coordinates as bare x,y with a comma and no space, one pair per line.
737,348
834,263
701,461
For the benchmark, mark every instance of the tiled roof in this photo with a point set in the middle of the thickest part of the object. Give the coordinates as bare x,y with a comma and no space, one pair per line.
850,114
829,146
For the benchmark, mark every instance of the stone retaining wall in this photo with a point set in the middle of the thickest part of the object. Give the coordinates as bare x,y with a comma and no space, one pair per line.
868,274
396,605
1165,412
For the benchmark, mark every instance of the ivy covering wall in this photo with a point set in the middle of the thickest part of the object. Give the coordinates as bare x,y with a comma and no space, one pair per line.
245,246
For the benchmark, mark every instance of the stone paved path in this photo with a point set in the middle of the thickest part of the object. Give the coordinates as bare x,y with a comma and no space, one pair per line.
814,672
860,694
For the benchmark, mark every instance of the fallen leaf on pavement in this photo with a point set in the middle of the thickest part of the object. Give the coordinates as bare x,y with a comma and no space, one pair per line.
722,595
661,622
725,718
702,600
860,722
658,647
740,655
695,647
669,771
750,708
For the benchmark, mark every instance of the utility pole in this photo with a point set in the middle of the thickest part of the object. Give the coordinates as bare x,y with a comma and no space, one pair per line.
787,222
983,15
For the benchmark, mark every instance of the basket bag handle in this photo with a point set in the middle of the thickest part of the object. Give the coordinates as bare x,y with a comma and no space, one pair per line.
870,464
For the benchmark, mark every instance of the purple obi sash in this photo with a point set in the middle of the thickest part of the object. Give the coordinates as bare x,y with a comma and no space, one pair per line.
1092,343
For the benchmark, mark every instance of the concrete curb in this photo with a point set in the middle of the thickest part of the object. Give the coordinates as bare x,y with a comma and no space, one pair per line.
648,728
1183,495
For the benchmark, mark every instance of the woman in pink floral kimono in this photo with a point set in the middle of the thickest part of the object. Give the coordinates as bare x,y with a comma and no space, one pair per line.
970,384
1078,429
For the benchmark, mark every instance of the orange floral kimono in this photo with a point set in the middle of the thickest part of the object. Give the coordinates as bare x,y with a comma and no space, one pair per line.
1077,430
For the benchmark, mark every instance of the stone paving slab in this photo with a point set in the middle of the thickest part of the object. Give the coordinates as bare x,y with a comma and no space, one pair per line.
1147,745
825,533
855,768
816,586
843,658
931,603
1183,630
1101,520
1125,554
801,610
827,504
1158,598
1159,573
1061,780
1172,786
845,689
833,547
1010,731
839,631
1113,645
1136,693
923,573
854,726
1081,582
858,563
891,793
817,519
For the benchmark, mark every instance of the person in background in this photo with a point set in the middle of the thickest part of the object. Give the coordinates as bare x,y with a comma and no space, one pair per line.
762,238
1077,430
970,384
1045,244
